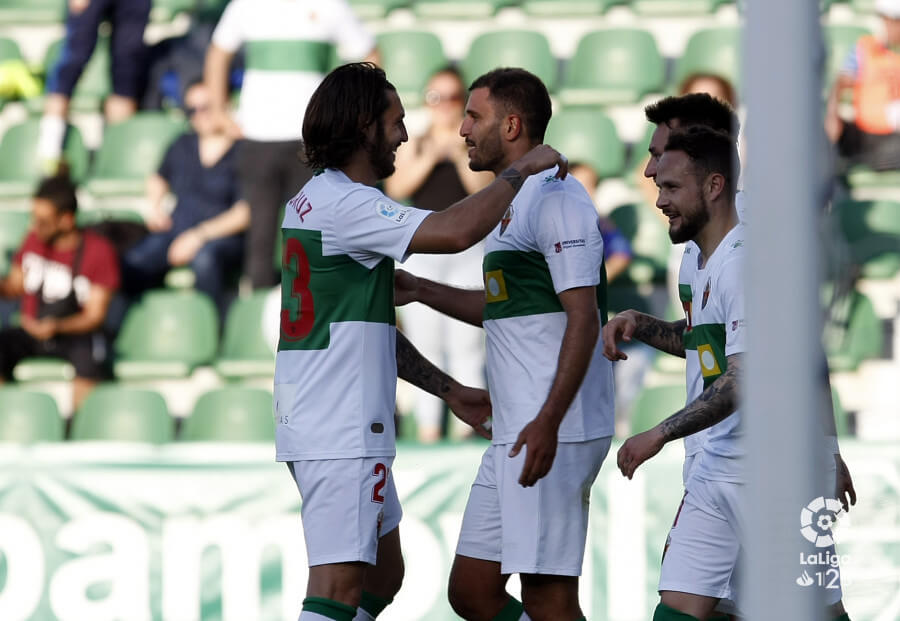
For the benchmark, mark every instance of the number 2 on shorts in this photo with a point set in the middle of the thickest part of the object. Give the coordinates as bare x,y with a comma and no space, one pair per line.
380,470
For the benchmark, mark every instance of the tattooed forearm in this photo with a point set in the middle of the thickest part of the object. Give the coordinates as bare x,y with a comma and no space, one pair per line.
716,403
513,177
665,336
418,371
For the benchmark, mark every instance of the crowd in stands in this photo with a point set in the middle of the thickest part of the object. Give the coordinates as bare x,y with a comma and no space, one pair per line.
241,75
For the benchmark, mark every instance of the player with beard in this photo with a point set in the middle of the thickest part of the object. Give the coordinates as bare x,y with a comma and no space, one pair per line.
339,352
551,389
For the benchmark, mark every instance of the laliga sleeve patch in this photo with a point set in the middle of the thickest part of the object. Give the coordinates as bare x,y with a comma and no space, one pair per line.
394,213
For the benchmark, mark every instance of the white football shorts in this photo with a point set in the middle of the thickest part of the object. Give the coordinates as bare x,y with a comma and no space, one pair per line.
535,530
348,505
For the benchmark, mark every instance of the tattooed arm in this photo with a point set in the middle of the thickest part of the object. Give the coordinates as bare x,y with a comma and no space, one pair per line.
470,405
716,403
665,336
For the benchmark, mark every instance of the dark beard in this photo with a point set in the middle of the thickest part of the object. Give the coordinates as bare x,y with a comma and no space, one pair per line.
380,154
690,227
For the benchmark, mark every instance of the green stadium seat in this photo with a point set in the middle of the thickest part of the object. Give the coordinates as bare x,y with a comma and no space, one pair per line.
20,169
231,414
616,66
453,9
872,228
654,404
27,417
166,334
853,333
166,10
121,414
840,39
375,9
713,51
650,244
32,11
863,178
13,227
245,352
637,157
863,7
410,57
95,82
676,7
43,369
567,8
586,135
9,49
130,152
528,49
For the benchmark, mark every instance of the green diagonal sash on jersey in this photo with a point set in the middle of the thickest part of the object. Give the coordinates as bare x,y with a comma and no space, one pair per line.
708,340
518,284
340,288
288,55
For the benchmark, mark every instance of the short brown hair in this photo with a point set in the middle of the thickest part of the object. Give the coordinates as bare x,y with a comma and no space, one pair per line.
520,92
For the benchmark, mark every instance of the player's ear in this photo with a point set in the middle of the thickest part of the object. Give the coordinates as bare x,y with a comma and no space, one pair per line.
714,186
512,126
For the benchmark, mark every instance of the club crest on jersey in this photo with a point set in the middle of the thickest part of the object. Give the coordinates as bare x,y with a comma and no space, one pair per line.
705,295
504,221
392,211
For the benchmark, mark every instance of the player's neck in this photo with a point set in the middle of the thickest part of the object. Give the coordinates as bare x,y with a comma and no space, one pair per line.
359,169
721,221
514,151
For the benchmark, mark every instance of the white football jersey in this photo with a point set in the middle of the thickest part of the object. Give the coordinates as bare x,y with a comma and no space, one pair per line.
547,242
336,366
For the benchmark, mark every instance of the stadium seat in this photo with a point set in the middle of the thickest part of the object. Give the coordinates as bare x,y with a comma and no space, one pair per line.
245,352
853,333
231,414
616,66
650,243
27,417
410,57
863,7
587,136
19,166
676,7
713,51
464,9
117,413
872,228
840,40
637,157
863,178
163,11
375,9
13,226
166,334
528,49
9,49
43,369
32,11
567,8
131,150
654,404
95,82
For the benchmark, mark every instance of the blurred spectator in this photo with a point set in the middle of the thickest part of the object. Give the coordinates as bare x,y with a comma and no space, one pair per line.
66,278
616,248
287,46
872,73
206,227
433,172
128,58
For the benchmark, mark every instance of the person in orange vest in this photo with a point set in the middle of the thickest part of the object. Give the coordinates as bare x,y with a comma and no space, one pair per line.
872,73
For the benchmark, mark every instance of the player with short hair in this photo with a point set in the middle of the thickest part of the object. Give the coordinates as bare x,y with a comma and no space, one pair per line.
551,389
339,352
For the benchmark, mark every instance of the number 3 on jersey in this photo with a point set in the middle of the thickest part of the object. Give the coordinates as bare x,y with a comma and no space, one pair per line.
380,470
303,312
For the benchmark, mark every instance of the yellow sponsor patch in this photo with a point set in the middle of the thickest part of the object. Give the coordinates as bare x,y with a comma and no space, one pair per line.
708,364
495,287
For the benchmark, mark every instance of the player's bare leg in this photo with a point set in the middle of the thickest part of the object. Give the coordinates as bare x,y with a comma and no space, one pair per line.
551,598
338,582
698,606
382,582
477,589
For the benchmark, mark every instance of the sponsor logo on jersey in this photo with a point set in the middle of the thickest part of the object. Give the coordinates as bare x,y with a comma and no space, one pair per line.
393,212
569,243
737,323
738,243
557,247
504,221
550,179
709,366
705,295
495,287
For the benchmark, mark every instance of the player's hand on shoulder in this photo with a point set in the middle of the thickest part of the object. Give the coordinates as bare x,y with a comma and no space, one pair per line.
473,407
638,449
542,157
539,437
405,286
619,328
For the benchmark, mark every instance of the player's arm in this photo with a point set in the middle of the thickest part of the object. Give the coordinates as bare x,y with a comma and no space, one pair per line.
715,404
471,405
468,221
463,304
579,340
843,484
13,286
667,336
